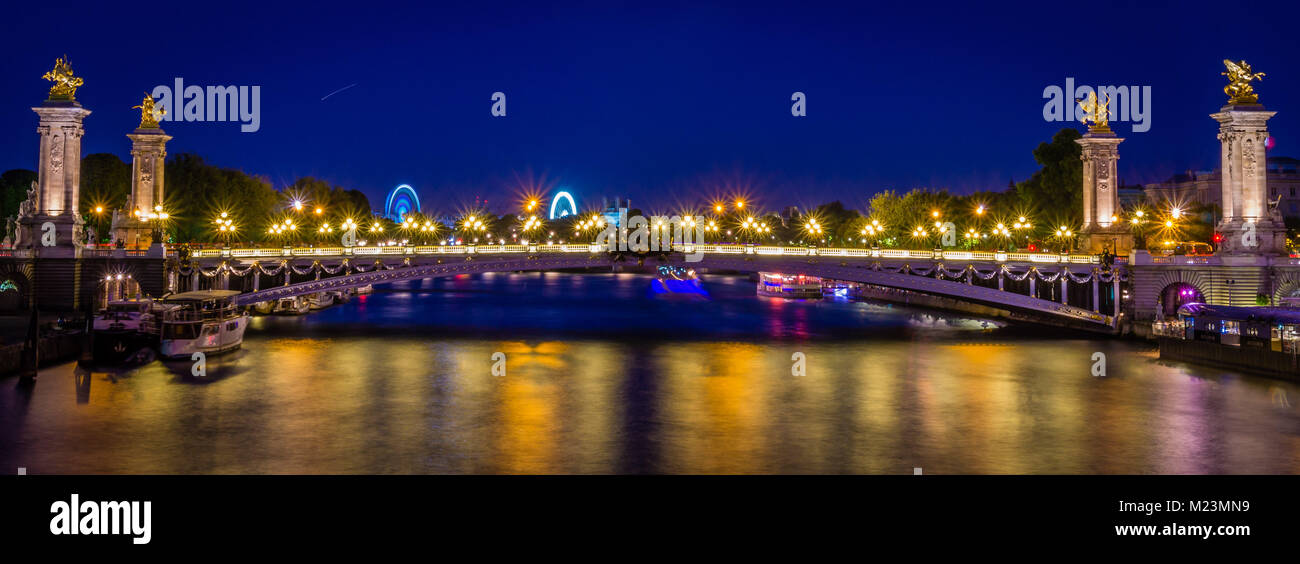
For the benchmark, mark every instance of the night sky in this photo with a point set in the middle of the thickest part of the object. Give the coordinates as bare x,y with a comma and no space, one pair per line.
660,101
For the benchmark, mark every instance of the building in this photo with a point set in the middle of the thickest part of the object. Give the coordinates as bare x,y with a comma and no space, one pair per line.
1130,195
1205,187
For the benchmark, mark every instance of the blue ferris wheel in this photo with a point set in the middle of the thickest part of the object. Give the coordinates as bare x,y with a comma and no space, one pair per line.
402,201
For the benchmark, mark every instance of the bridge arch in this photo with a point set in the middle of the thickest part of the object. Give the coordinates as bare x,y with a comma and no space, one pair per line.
1287,286
954,283
1176,294
15,287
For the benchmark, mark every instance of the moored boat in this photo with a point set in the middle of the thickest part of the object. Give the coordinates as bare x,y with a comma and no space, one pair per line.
296,305
320,300
126,331
205,321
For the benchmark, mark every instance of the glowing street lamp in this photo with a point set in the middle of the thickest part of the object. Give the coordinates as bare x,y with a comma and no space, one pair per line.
532,223
754,226
225,225
814,228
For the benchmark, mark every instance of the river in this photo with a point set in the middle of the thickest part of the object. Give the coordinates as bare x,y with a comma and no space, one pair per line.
603,376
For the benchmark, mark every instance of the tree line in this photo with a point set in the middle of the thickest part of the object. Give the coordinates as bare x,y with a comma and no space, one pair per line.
1032,212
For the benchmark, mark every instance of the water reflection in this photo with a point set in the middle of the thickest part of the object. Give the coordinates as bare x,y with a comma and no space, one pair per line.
600,378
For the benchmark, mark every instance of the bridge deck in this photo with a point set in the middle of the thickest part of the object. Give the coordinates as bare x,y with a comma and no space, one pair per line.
418,250
942,273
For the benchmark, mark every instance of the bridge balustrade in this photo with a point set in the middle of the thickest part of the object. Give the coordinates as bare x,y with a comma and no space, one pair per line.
948,255
253,252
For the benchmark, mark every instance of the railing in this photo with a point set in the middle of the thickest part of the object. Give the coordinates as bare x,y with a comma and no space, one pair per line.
938,254
1175,329
189,315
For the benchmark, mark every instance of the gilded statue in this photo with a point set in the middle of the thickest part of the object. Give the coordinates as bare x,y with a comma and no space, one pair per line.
149,114
65,84
1096,112
1240,76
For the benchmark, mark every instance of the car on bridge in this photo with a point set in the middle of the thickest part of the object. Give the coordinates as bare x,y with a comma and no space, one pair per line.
1186,248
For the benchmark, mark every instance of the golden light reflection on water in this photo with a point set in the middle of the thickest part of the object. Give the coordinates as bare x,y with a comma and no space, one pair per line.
416,405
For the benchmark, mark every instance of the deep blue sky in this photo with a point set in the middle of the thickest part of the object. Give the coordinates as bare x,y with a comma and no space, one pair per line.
656,100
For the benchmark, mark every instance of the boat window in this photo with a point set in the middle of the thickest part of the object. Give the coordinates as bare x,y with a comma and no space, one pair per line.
180,331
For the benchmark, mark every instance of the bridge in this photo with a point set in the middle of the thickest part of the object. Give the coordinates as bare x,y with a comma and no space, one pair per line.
49,267
1074,290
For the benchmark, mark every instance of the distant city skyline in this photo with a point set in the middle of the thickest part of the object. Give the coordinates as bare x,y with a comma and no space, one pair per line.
656,104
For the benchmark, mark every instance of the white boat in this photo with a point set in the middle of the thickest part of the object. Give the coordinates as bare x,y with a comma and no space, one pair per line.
296,305
789,286
320,300
363,290
205,321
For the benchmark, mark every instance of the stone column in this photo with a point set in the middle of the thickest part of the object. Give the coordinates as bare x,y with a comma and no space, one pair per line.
1096,293
148,155
57,193
1249,226
1114,285
1101,192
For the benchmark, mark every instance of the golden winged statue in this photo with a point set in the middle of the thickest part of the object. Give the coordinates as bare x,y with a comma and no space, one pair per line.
1095,112
149,114
1240,76
65,84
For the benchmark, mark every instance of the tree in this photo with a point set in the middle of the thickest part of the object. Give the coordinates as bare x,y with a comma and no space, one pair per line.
1054,194
197,192
106,185
338,201
14,185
